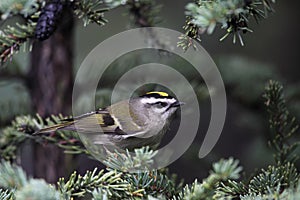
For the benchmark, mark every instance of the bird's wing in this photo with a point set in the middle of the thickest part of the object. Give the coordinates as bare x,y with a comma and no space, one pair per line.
86,122
100,111
100,121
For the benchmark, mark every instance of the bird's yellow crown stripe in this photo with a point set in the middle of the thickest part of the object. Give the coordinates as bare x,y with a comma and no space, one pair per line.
163,94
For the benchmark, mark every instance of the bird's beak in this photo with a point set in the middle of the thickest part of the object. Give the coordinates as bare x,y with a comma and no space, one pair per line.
177,104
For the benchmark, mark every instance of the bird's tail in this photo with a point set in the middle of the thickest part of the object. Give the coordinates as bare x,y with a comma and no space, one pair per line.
55,127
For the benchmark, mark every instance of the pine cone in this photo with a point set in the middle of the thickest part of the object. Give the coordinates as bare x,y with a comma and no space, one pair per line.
49,17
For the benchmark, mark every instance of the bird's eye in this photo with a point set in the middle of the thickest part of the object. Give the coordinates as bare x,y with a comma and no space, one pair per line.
161,104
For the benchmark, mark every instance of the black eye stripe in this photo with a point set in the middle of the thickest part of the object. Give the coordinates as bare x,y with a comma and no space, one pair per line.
163,104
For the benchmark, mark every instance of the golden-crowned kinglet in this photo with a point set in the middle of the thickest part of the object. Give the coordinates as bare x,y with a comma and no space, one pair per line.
133,123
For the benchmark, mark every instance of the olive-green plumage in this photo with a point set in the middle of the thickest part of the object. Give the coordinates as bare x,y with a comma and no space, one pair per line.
130,123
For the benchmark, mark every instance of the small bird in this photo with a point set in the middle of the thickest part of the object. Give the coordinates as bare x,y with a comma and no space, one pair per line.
128,124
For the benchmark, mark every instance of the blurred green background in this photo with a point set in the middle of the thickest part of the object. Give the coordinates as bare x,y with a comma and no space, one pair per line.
271,52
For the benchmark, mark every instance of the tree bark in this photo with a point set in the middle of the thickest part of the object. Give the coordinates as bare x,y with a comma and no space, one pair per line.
50,83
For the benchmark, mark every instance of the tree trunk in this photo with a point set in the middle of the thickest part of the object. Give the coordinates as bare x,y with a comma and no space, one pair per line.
50,83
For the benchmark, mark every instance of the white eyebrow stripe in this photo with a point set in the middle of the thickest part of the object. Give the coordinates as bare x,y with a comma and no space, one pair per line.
155,100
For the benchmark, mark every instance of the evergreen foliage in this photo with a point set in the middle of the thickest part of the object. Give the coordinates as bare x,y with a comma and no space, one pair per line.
12,176
12,37
90,11
25,8
22,129
36,189
203,16
283,126
277,181
222,171
6,195
128,162
110,182
114,184
143,12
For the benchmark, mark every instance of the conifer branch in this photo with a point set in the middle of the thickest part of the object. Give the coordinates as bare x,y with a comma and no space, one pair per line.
6,195
14,179
155,183
109,183
144,13
283,176
283,126
90,11
269,182
11,176
142,159
37,189
222,171
115,184
12,38
78,185
204,16
22,128
25,8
